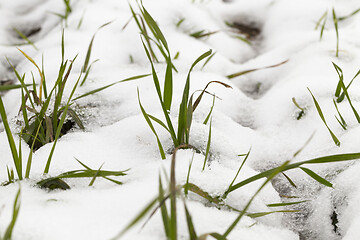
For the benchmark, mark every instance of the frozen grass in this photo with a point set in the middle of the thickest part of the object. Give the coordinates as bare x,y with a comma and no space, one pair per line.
45,109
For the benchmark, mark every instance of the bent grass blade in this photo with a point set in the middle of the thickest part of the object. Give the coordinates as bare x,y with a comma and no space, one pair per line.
335,139
254,69
319,160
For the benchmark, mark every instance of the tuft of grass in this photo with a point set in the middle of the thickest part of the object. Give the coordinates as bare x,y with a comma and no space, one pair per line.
42,122
335,139
187,107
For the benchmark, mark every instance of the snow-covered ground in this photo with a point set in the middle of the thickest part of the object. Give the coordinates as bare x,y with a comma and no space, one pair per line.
257,113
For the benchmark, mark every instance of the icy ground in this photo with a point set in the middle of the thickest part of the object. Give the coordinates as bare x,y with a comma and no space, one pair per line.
257,113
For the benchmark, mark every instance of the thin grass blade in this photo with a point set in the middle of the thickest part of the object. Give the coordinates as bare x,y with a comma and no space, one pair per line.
254,69
146,116
207,146
335,139
316,177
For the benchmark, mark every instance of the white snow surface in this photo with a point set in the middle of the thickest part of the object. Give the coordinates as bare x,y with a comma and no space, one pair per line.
257,113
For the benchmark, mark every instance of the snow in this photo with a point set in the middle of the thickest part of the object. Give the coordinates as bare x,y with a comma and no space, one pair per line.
256,113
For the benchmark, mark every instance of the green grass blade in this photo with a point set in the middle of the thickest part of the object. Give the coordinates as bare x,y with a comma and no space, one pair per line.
95,176
316,177
208,60
10,87
16,158
87,72
29,161
197,190
25,38
335,139
289,180
349,100
342,122
262,214
157,86
173,192
342,96
15,213
337,31
322,29
61,123
270,177
59,95
40,72
161,123
237,173
323,17
341,77
182,119
198,100
210,112
325,159
155,28
254,69
146,116
285,204
350,15
186,186
207,146
168,85
88,53
44,79
164,212
190,225
76,118
140,216
112,84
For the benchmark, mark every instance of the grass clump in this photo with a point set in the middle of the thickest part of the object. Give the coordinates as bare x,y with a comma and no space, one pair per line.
44,115
187,106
